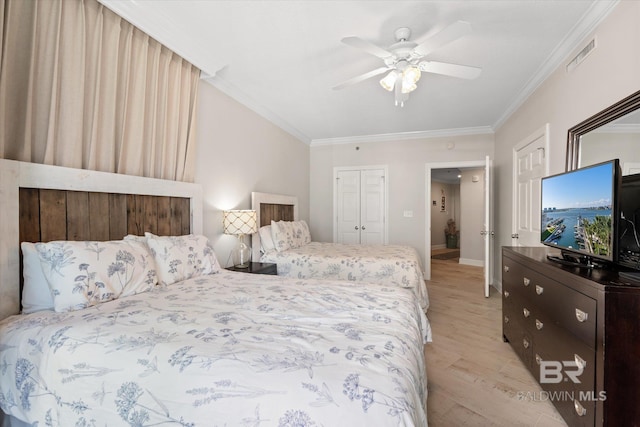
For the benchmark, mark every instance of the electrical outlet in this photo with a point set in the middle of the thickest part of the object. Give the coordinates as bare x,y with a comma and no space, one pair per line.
408,214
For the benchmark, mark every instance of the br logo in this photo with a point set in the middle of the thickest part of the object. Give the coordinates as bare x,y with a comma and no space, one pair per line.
553,372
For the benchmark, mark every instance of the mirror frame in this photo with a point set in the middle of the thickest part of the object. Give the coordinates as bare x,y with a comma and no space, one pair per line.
609,114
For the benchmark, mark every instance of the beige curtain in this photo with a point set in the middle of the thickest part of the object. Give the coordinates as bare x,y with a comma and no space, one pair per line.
83,88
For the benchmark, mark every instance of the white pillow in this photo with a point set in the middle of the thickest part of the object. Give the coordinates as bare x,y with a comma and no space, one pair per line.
266,239
36,294
182,257
83,274
290,234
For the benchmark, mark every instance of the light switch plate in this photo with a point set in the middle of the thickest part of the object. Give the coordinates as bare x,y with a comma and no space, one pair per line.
408,214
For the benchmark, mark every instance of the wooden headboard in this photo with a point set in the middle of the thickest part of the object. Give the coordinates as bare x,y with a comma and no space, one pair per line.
271,207
47,215
44,203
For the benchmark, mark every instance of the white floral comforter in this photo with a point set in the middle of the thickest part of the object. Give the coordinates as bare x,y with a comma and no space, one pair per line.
387,264
228,349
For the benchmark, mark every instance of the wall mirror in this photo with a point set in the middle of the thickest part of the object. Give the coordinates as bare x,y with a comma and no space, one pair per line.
612,133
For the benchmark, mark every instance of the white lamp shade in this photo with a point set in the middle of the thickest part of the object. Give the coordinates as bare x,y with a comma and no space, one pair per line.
240,222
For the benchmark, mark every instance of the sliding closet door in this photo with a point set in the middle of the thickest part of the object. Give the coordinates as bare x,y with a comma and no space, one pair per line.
360,206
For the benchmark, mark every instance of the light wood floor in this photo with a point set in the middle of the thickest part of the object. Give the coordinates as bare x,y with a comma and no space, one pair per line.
474,377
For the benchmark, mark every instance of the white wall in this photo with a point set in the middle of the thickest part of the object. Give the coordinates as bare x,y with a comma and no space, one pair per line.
406,160
471,217
438,217
240,152
610,73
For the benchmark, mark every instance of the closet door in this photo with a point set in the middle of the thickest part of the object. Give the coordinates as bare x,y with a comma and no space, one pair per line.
372,207
360,213
348,221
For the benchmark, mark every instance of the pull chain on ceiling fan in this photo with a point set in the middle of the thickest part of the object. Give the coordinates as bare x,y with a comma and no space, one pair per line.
404,61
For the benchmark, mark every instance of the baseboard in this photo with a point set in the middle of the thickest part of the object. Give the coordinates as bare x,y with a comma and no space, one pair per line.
442,246
473,262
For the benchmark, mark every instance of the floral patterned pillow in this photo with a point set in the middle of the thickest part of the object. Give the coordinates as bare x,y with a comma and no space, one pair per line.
82,274
182,257
290,234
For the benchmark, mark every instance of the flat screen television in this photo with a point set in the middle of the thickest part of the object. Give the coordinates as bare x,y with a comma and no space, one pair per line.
629,224
580,214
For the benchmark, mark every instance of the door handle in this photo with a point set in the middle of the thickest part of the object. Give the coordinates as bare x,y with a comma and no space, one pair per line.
356,227
363,227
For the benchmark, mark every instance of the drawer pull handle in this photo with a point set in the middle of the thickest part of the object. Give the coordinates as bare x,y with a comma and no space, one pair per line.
539,289
525,343
580,410
580,362
506,319
506,294
506,268
526,281
539,324
581,315
525,312
538,359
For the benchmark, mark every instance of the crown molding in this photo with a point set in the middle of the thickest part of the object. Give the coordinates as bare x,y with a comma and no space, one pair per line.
596,13
403,136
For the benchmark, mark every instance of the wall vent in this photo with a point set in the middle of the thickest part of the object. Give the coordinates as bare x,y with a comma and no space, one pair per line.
581,56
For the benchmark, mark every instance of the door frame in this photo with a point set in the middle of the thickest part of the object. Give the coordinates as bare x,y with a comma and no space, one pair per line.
427,210
337,169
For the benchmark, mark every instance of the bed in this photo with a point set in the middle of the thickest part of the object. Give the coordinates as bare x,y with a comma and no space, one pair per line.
213,348
393,265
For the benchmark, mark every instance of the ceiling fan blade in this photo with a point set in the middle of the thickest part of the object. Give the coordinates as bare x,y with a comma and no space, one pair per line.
367,47
447,35
361,77
454,70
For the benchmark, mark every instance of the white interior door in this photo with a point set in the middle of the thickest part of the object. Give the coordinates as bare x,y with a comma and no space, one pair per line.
529,166
488,232
361,205
372,207
348,206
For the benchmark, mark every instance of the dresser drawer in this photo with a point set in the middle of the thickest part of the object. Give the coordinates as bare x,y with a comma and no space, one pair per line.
553,343
565,307
576,401
515,329
562,305
513,274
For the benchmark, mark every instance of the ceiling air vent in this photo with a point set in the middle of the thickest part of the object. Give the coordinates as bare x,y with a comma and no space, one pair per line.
581,55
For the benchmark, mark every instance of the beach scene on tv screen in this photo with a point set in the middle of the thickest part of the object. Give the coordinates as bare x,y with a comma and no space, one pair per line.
576,210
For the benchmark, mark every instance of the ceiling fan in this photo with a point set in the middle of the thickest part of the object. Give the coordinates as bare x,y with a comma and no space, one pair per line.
404,60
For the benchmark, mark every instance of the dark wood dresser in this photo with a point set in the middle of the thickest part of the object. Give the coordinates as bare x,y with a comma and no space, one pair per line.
578,332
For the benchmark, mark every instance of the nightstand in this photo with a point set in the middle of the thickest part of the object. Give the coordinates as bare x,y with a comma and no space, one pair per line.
257,268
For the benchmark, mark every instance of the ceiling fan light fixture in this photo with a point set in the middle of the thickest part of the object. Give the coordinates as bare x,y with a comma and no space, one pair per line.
411,74
389,81
407,88
409,78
